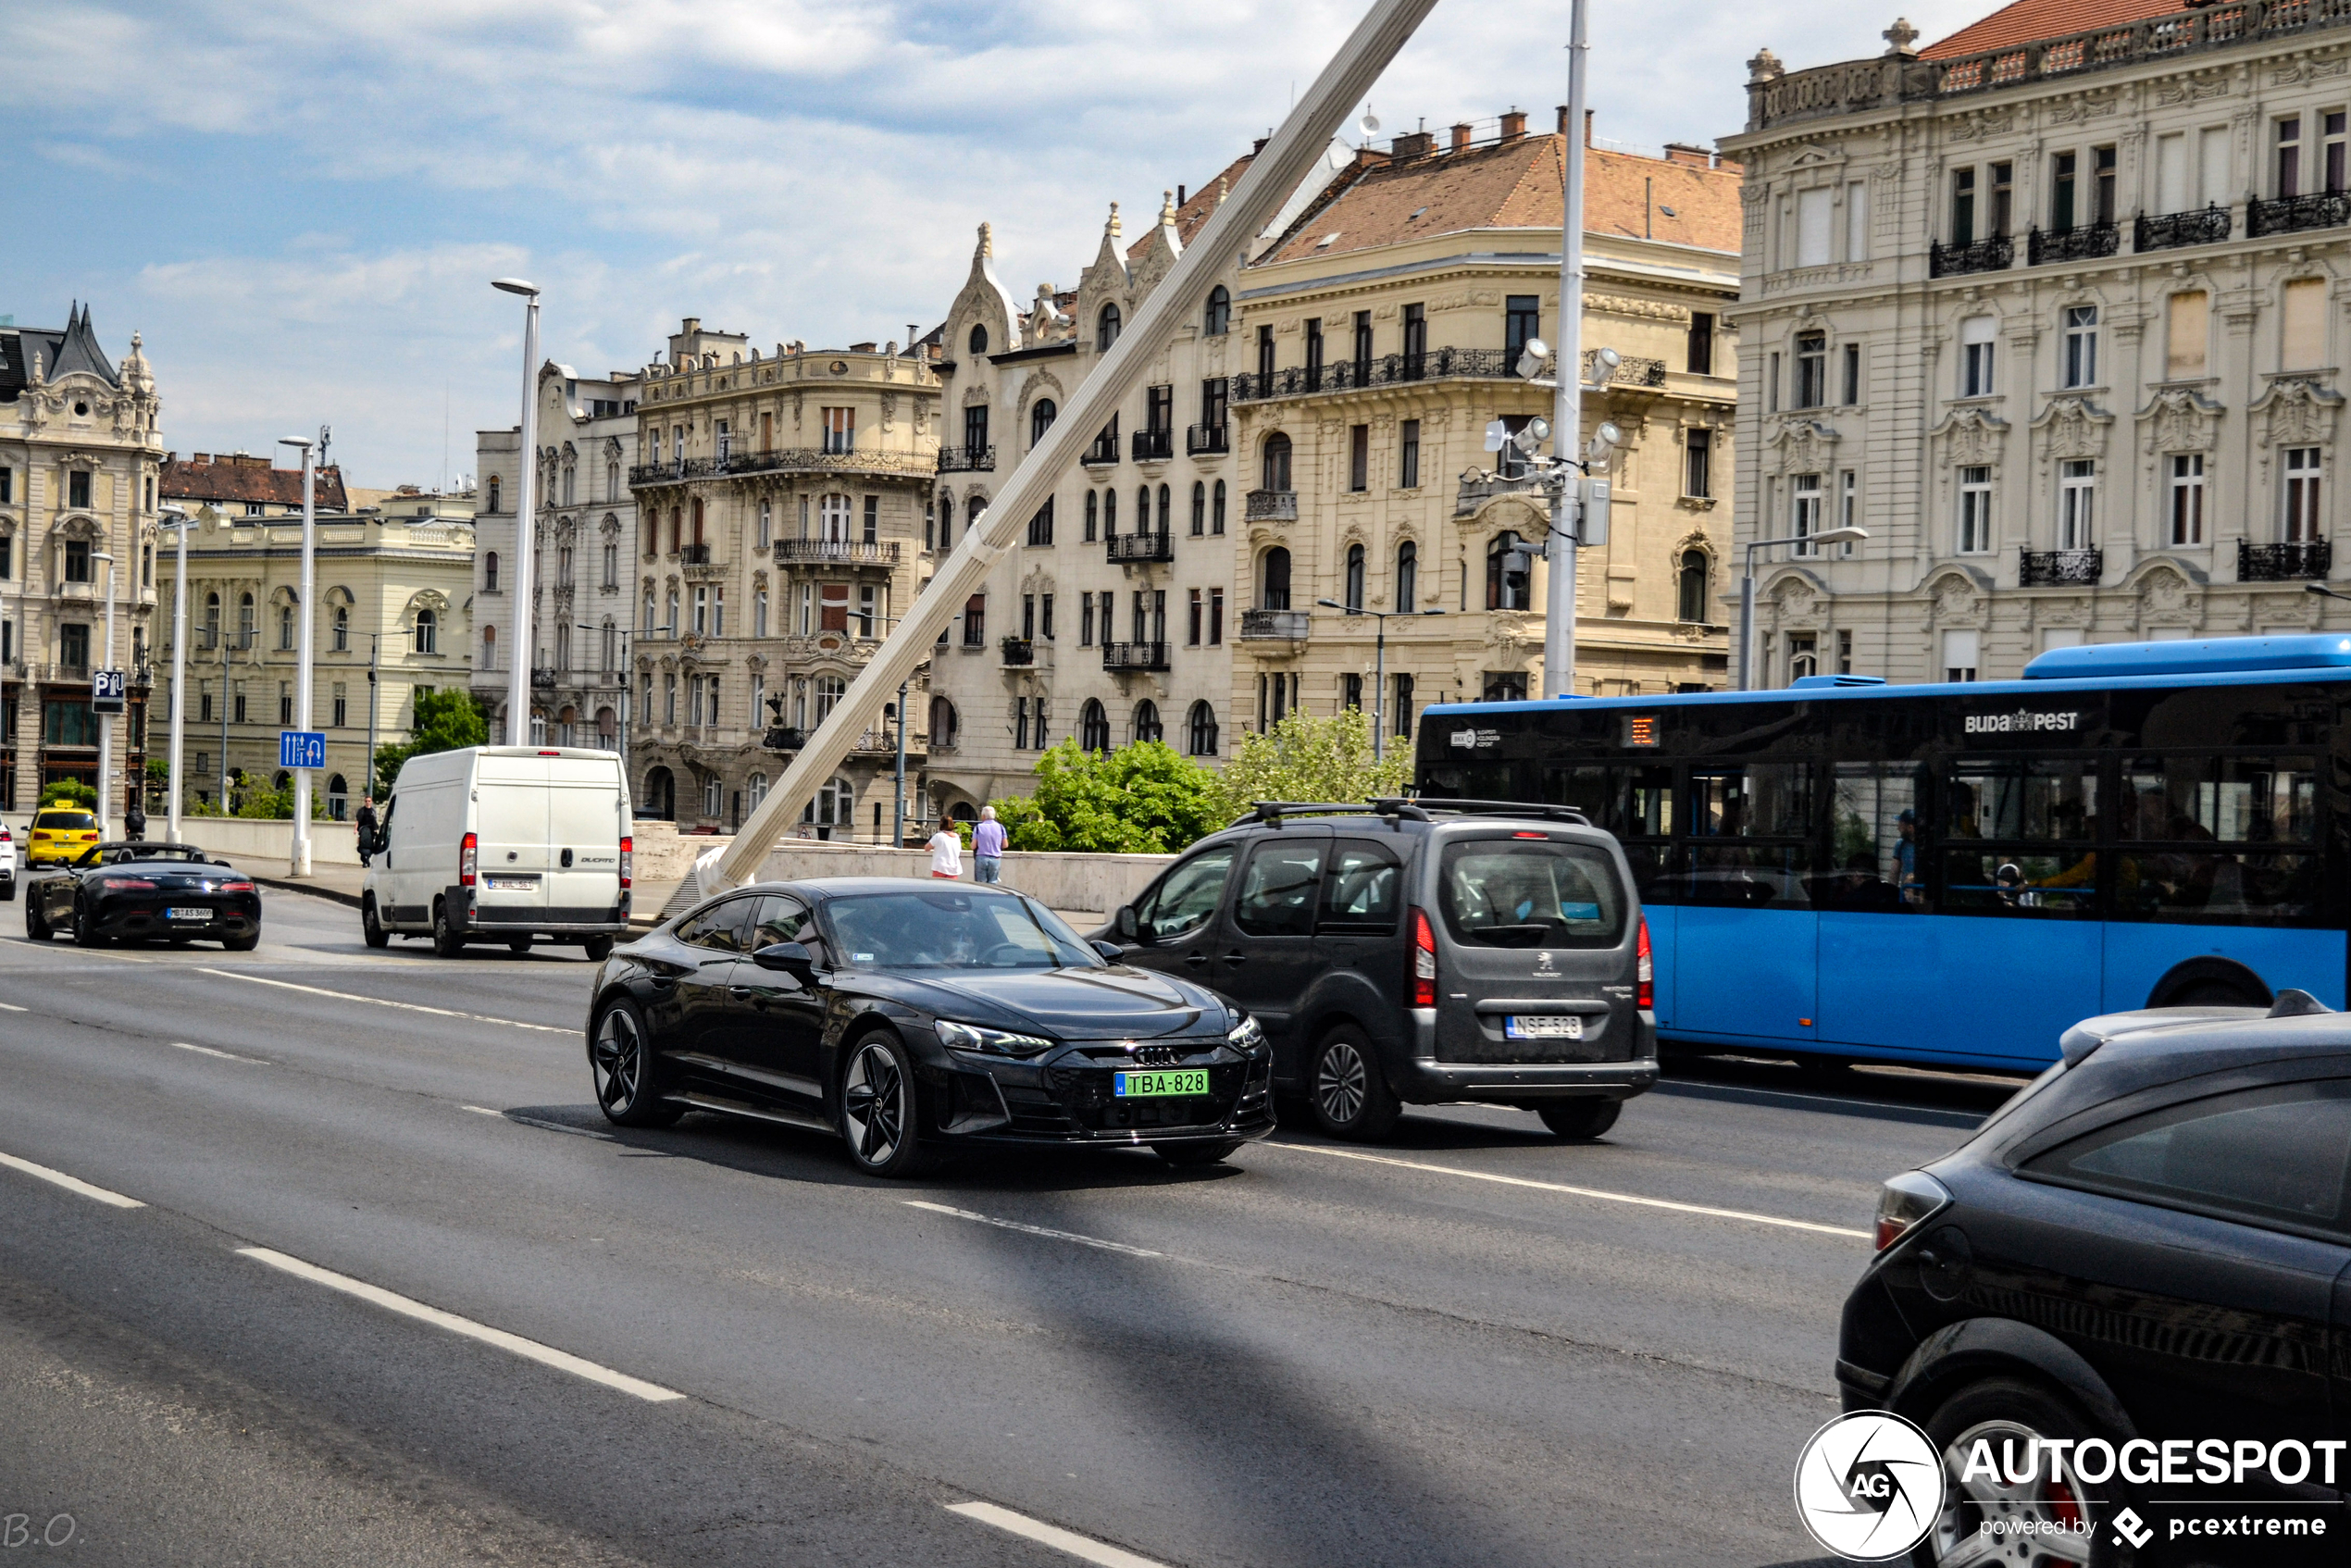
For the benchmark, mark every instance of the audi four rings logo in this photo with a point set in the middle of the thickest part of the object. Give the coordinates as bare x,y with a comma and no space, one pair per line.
1869,1487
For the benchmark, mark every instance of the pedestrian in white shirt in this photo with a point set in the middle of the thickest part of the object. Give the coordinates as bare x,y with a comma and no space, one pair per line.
946,853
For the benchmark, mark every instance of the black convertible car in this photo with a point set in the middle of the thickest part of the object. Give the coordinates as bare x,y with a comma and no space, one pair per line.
142,892
907,1017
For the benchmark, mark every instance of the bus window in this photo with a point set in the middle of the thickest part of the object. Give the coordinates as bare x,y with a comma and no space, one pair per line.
1635,803
1585,788
1735,815
1874,844
2031,822
2213,840
2022,798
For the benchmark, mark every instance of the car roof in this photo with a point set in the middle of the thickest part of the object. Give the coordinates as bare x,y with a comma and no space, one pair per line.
839,887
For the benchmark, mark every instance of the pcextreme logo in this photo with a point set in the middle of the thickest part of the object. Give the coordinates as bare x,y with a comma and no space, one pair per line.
1869,1485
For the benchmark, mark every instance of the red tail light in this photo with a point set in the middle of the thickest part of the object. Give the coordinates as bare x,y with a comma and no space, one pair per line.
1423,961
126,884
237,887
627,861
1645,997
468,854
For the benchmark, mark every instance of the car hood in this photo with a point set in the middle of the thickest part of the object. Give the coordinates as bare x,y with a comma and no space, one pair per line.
1114,1003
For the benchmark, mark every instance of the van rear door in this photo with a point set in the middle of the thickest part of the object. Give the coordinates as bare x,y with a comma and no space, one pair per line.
510,824
583,838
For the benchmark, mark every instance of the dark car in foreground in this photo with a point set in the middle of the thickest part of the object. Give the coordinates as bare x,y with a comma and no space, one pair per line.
907,1017
2146,1258
145,892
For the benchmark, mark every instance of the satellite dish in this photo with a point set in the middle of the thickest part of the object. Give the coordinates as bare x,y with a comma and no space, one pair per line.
1368,125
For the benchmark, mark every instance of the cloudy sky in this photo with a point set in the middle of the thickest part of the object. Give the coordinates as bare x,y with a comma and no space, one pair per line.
299,204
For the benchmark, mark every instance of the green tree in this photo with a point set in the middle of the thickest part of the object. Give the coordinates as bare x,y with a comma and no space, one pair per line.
69,792
266,803
1307,758
1143,799
446,721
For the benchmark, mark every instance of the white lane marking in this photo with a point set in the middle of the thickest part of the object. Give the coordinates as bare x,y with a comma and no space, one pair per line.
1083,1547
1707,1209
483,1111
1035,1230
71,1184
380,1002
224,1055
12,1007
536,1122
529,1350
1730,1094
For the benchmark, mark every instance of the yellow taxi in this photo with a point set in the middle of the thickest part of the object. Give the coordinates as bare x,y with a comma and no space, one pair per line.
59,835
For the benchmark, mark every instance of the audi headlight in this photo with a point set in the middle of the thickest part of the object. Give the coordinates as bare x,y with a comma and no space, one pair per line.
1245,1036
995,1042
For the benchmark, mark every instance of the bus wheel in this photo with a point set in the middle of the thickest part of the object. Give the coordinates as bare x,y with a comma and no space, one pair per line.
1825,1069
2213,993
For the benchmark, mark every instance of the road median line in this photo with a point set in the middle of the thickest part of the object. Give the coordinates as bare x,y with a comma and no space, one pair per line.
224,1055
1083,1547
1708,1210
1028,1229
71,1184
382,1001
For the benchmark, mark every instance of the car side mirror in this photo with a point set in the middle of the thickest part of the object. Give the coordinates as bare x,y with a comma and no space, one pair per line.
1128,926
1111,951
787,958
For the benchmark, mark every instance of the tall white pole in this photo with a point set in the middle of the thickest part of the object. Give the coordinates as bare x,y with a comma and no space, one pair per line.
520,649
106,721
179,675
1567,408
303,617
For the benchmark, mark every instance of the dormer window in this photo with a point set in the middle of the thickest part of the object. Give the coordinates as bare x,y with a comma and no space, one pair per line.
979,340
1106,326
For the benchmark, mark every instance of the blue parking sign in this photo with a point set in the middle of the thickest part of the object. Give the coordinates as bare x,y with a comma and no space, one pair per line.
302,748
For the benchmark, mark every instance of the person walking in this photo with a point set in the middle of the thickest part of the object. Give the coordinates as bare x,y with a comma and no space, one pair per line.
367,821
134,821
946,853
988,848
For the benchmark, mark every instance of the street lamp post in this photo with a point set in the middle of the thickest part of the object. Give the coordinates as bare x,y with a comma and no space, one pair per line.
298,862
1848,535
106,721
1567,402
179,669
1379,660
623,634
518,682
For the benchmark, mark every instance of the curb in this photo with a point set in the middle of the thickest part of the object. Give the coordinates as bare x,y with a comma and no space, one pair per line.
333,895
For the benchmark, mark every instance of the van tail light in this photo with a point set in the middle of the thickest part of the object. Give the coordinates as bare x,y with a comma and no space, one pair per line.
1904,1202
1645,971
627,861
468,855
1423,960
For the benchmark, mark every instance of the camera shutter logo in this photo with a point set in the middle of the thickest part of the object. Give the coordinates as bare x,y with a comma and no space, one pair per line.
1869,1485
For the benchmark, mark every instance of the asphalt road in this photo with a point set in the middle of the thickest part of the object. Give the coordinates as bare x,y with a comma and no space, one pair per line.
1475,1345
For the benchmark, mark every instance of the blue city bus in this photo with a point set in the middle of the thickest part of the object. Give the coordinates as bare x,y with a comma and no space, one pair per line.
1954,874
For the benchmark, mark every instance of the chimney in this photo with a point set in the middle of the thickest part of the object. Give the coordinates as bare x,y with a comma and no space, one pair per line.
1688,152
1587,126
1513,125
1259,146
1461,137
693,325
1179,195
1411,144
200,459
1563,119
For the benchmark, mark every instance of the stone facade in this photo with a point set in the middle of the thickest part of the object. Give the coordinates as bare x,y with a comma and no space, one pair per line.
2053,314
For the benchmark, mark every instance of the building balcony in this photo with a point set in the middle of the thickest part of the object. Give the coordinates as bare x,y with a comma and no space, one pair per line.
783,738
837,552
2163,231
1271,506
1985,255
542,680
1632,370
1154,446
1273,626
1200,440
1476,490
1020,652
1104,454
2054,568
2083,243
1134,655
1131,549
968,460
693,555
1383,370
2287,215
2283,563
799,459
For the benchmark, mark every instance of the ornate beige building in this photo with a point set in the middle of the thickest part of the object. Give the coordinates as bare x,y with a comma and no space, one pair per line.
2052,308
781,500
78,457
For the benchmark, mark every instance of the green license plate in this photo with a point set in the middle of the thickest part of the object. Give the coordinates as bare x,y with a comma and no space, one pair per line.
1183,1080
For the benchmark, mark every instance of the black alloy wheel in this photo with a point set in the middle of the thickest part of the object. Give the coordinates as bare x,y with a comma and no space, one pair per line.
880,1109
245,943
598,949
1202,1152
1349,1093
622,1061
2071,1524
36,924
371,927
447,941
1581,1119
85,930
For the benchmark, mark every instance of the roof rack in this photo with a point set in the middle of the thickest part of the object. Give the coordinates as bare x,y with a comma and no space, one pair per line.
1272,811
1504,808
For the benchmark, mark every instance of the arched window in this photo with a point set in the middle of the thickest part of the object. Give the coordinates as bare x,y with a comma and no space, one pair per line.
1506,574
1200,507
1272,580
285,627
1218,319
1106,326
1354,596
942,725
612,481
1201,739
677,528
244,620
1690,601
697,519
661,793
1407,576
1110,513
212,620
1146,725
493,494
338,796
946,523
1142,508
978,339
1216,514
1167,517
1093,728
612,565
755,786
1276,474
427,632
563,566
1041,418
490,572
833,519
490,647
1093,515
343,628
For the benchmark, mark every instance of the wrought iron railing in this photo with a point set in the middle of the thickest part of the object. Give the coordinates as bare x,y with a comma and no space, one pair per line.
1155,446
1019,651
783,738
1128,548
1984,256
798,459
2049,569
2283,563
1134,655
1388,369
2287,215
1271,506
2163,231
966,459
1104,452
1273,626
1199,440
693,555
1632,370
838,550
2082,243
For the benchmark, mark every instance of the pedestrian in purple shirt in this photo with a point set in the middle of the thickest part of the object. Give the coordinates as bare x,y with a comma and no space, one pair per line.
988,848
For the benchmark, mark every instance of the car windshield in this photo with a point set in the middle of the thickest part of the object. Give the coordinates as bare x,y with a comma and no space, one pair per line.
66,821
1531,892
939,929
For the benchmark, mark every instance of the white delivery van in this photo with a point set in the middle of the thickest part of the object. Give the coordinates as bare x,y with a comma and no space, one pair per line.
503,845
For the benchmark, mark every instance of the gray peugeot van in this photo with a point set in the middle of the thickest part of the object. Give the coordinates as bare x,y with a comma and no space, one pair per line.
1418,952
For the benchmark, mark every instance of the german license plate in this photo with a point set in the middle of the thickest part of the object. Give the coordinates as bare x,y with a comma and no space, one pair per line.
188,914
514,884
1138,1086
1543,1025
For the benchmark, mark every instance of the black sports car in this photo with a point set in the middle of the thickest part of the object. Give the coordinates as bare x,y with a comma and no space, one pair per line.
906,1017
142,892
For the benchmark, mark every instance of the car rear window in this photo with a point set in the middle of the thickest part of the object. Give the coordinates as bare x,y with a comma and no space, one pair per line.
66,821
1530,894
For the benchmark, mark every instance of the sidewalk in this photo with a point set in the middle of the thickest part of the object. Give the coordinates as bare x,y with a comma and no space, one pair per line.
341,884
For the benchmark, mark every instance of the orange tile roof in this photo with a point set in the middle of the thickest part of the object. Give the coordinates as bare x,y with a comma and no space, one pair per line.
2030,20
1198,204
1516,185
